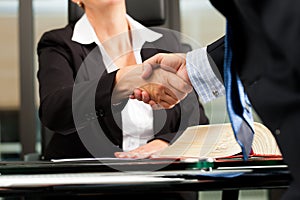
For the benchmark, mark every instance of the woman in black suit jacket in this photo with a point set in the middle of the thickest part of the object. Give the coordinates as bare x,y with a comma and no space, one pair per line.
75,101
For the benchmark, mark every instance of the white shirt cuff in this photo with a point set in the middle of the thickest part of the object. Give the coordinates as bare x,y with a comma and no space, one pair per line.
202,77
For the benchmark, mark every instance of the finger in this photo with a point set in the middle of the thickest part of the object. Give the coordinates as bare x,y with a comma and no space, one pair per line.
138,94
170,95
145,97
152,103
168,101
120,154
143,156
147,70
137,155
156,154
128,154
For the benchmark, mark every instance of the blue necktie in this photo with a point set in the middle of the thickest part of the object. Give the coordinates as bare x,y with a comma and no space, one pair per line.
238,104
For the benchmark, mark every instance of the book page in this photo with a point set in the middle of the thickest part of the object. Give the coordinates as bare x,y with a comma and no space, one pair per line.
264,143
203,141
217,141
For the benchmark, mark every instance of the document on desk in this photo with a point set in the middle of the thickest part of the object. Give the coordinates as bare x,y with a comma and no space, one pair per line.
46,180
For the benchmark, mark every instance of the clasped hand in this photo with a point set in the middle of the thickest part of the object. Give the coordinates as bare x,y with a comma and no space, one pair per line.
168,66
155,83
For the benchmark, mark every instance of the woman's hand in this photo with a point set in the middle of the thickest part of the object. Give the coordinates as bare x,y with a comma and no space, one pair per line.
145,151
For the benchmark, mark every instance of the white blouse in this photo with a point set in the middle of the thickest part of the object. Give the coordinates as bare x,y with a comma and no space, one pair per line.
137,117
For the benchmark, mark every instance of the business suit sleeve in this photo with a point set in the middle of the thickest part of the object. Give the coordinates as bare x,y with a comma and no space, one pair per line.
56,81
215,54
59,63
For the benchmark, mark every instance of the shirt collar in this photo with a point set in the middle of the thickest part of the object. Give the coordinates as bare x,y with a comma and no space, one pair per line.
85,34
83,31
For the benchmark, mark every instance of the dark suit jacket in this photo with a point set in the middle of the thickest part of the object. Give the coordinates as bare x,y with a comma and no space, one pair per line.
71,94
265,44
265,54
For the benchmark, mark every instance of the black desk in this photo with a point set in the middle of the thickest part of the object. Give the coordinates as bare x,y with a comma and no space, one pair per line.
175,176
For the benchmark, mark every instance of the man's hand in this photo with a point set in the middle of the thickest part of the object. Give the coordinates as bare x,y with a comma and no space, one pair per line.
145,151
175,63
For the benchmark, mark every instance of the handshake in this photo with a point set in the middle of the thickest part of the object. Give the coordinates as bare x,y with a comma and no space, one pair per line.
161,81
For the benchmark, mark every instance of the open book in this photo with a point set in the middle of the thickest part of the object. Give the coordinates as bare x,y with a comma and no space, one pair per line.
218,141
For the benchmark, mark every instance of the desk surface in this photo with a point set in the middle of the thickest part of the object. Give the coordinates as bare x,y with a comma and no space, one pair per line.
68,182
113,165
41,167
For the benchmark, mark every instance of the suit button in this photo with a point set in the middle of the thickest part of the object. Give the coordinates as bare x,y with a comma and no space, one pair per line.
277,132
100,113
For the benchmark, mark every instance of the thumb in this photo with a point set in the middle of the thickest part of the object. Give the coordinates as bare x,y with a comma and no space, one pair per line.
150,64
147,70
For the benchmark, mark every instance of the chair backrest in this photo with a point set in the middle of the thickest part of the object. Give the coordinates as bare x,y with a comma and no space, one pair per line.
147,12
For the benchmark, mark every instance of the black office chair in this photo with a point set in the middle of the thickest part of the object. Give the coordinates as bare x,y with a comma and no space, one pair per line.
148,13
